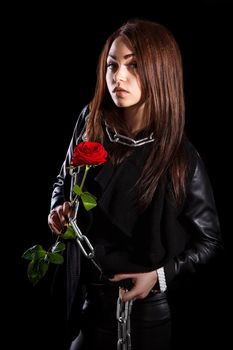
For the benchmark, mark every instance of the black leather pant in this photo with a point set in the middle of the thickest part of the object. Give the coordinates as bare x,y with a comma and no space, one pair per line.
150,321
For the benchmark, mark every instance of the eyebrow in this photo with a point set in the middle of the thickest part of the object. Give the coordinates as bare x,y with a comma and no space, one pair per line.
125,57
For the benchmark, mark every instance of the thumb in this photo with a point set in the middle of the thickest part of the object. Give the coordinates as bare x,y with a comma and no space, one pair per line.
128,295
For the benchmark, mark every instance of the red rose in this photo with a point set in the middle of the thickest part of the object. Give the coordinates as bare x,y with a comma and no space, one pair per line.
89,153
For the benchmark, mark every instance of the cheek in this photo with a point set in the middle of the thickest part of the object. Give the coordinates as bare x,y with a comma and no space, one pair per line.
137,89
108,81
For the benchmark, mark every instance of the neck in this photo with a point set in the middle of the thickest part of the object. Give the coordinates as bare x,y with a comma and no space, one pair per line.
133,117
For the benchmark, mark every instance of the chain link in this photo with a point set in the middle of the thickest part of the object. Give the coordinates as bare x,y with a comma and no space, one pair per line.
82,240
123,317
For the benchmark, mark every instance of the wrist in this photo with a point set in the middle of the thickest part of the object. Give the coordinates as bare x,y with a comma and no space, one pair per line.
161,279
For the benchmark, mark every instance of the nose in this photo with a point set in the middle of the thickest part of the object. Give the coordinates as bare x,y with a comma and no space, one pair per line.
120,74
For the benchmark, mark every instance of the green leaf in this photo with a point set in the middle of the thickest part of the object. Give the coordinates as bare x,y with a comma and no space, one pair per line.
34,253
58,247
55,258
36,270
69,234
77,190
89,201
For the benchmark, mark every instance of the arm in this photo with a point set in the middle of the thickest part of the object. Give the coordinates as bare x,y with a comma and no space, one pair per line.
200,219
60,207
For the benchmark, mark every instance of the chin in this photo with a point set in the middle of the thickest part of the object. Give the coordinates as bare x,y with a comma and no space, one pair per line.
123,104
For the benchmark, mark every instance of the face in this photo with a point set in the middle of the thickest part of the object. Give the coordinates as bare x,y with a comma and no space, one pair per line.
121,75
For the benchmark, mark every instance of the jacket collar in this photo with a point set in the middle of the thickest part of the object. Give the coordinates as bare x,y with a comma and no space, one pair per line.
118,199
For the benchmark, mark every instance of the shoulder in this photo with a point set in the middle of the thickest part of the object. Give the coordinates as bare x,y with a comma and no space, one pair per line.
83,115
197,174
192,158
81,118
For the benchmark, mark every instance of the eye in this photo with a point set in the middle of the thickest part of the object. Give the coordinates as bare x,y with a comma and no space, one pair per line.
133,65
112,66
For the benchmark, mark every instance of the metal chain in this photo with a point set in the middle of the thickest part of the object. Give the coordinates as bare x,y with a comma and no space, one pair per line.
123,309
123,317
82,240
114,136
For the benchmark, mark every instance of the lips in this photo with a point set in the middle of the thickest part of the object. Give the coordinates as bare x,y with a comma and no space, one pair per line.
121,93
119,90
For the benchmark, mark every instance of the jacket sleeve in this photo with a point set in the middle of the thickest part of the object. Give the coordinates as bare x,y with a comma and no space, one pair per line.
201,221
62,186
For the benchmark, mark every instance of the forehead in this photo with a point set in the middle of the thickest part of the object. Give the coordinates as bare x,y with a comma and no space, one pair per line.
120,48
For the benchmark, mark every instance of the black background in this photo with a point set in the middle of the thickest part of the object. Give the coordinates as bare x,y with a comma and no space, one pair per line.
51,55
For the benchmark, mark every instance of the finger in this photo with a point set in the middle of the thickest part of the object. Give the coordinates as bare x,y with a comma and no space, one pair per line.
66,208
67,211
128,295
133,294
54,229
51,218
120,277
60,219
54,222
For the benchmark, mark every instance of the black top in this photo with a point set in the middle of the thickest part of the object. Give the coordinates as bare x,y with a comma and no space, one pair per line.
180,239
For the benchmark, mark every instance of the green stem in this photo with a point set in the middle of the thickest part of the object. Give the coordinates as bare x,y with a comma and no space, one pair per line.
87,167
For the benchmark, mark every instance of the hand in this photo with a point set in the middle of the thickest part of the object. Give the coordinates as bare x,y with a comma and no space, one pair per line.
142,284
59,217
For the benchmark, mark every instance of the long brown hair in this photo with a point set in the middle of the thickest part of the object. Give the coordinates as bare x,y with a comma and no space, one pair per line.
161,75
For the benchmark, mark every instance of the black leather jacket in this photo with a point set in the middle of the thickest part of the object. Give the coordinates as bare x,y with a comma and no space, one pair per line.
192,233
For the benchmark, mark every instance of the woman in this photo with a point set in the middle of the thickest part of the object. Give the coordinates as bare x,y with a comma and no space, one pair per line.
156,220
